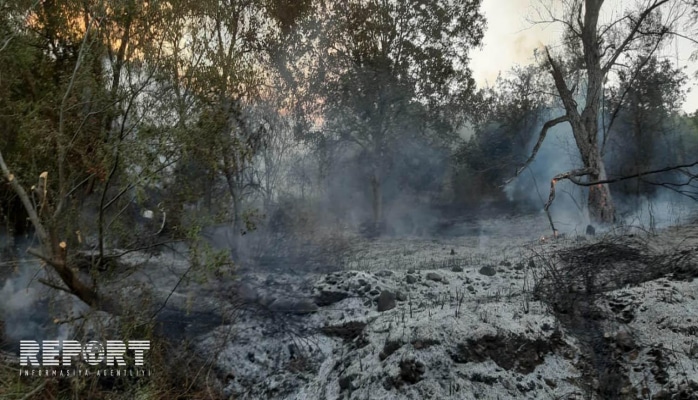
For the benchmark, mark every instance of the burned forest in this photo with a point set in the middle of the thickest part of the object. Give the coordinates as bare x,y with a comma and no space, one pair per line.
361,199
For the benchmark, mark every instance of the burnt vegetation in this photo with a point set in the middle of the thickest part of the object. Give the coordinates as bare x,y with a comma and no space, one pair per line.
275,137
575,283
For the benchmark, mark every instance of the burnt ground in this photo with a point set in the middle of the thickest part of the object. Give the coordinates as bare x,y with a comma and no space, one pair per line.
497,313
579,286
494,313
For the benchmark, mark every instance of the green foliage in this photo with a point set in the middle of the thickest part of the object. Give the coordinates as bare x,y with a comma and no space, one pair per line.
647,133
388,74
391,60
499,143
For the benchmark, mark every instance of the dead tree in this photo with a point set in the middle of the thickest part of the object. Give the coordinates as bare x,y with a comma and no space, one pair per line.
599,50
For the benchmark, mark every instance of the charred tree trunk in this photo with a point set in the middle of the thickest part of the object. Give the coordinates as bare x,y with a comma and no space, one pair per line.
585,125
237,214
601,208
586,132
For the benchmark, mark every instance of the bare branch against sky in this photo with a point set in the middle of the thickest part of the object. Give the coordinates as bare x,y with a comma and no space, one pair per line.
512,36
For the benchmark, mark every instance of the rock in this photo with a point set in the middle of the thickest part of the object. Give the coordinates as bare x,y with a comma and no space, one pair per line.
411,371
346,382
591,231
266,300
348,331
488,270
293,306
327,297
388,384
389,348
551,383
433,276
523,388
694,350
420,344
386,301
457,268
453,252
411,279
411,271
400,296
384,273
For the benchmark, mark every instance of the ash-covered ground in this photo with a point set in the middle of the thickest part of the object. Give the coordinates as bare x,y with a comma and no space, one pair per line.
497,311
500,312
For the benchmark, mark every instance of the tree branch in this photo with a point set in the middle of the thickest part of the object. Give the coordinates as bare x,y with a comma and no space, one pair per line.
614,115
539,143
62,189
574,176
631,35
565,93
571,175
638,175
26,201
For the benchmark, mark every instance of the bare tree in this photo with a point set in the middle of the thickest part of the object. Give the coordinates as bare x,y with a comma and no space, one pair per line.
595,50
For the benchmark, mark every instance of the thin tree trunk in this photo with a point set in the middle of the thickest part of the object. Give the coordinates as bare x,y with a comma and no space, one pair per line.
377,202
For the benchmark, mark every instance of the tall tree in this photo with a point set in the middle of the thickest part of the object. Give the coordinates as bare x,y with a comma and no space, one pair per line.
595,50
393,68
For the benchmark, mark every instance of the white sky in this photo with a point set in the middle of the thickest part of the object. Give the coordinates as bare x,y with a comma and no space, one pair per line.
511,38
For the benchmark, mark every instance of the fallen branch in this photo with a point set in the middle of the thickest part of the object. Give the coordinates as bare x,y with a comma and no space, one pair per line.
54,286
74,285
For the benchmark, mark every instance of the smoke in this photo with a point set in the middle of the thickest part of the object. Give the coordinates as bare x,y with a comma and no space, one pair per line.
28,308
638,203
557,154
412,178
19,303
